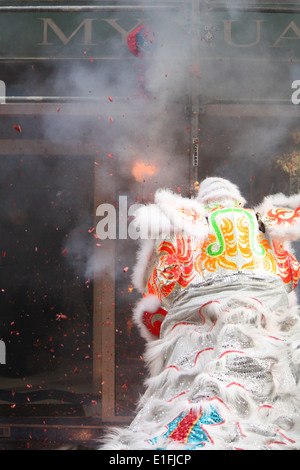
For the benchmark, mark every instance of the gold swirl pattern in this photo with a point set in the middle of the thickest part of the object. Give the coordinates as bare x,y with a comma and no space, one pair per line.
266,262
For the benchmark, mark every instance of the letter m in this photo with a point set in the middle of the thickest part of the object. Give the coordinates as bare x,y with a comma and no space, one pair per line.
2,353
86,24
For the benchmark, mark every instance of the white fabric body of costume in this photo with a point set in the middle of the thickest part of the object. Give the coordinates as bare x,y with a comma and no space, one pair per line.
223,339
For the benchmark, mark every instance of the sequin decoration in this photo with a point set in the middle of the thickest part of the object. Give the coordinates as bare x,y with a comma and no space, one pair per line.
188,429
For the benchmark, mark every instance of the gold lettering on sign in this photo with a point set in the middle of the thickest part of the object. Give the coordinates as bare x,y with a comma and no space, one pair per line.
114,23
228,36
292,26
86,24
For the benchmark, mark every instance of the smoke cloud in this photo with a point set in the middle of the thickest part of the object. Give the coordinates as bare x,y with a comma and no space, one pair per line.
142,110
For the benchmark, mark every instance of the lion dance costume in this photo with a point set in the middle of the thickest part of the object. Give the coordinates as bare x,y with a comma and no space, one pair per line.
221,323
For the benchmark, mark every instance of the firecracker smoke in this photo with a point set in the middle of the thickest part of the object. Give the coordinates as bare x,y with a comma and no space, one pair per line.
143,117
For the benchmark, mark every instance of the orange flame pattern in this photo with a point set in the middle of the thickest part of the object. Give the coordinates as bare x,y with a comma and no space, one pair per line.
236,246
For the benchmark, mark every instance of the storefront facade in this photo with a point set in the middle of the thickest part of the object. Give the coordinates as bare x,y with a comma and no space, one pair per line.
85,122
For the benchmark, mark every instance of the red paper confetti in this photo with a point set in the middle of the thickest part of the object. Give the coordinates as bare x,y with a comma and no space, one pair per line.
60,316
18,128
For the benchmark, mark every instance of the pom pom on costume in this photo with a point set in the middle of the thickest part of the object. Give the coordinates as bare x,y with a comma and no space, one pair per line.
148,316
140,41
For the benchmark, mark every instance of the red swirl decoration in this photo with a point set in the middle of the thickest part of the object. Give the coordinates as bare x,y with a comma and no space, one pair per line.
283,216
153,321
175,264
288,266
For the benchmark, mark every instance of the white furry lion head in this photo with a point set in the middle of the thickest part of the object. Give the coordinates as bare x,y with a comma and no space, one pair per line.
215,189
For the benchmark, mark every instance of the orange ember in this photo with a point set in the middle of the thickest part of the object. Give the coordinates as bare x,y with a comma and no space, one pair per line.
141,170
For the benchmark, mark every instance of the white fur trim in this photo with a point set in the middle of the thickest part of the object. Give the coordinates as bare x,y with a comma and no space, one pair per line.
278,200
152,222
293,300
139,271
282,232
147,304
